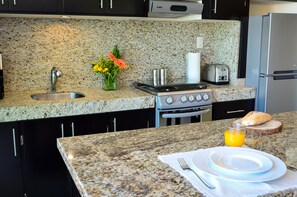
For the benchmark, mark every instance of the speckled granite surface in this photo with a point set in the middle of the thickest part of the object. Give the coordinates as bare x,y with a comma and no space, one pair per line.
19,105
32,46
125,163
231,93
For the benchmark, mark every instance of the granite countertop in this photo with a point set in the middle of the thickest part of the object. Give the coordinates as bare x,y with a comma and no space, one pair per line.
19,106
126,164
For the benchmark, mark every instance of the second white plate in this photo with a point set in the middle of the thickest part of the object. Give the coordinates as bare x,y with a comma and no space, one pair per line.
240,161
201,164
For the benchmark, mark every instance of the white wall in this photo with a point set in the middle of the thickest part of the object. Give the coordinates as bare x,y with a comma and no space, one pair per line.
264,7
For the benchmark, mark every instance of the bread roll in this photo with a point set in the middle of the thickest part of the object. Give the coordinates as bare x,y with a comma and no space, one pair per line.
255,118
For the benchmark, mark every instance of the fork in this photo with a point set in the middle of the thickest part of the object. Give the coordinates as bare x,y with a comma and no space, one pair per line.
185,166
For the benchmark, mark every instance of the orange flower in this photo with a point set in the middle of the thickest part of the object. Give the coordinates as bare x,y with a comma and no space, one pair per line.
121,63
111,57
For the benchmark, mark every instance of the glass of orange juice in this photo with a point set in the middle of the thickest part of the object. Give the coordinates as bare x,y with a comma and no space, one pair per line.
234,136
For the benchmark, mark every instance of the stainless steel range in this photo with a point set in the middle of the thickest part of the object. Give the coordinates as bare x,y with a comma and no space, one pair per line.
180,103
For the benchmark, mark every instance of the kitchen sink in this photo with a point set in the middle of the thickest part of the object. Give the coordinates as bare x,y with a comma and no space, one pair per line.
57,96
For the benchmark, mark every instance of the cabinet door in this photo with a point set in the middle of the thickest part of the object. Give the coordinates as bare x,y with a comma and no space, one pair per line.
134,119
45,172
85,124
28,6
88,7
10,165
126,7
225,9
232,109
4,5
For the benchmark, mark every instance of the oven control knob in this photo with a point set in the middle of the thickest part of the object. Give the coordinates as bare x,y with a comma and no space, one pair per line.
198,97
183,99
191,98
169,100
205,97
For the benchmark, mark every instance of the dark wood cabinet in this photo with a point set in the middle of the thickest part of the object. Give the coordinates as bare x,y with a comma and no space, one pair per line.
225,9
31,6
85,124
232,109
86,7
105,7
11,182
126,7
33,165
4,5
44,169
231,10
133,119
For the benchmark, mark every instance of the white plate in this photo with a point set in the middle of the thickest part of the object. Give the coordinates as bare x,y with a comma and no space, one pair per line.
201,164
240,161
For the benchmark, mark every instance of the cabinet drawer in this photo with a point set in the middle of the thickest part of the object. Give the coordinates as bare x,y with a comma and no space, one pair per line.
232,109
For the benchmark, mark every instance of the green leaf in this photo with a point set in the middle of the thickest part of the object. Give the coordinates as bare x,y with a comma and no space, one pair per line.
116,51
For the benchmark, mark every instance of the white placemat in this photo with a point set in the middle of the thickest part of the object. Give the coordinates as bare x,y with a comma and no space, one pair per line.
229,188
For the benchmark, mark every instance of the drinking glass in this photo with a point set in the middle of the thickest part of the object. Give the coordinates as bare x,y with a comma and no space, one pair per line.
234,136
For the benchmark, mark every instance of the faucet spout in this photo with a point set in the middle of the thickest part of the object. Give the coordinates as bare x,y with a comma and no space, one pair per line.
55,73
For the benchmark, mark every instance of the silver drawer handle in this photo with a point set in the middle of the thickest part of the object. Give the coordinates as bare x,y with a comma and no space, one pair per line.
184,115
215,7
101,4
110,1
235,111
114,124
62,130
72,128
14,2
14,143
2,2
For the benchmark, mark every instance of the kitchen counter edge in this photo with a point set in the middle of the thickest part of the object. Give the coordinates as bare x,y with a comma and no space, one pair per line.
19,106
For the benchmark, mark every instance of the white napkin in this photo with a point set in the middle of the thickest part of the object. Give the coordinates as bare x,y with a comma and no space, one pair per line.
229,188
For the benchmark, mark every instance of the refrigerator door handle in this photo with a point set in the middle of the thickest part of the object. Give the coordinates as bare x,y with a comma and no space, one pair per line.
290,76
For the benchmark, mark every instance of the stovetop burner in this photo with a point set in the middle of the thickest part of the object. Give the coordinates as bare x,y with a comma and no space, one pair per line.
178,96
169,87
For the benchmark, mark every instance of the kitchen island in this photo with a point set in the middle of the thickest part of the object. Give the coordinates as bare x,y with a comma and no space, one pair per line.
126,164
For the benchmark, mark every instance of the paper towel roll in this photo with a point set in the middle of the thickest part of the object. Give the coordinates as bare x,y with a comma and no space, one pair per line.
193,67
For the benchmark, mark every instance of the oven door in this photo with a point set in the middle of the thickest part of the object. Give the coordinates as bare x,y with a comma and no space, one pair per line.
183,116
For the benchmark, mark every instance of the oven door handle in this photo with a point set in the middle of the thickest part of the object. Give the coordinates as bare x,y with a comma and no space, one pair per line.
184,115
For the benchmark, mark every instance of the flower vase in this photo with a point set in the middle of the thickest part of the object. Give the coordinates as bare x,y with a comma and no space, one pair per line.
109,82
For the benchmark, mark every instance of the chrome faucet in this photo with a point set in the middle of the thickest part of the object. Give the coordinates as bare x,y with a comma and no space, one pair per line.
55,73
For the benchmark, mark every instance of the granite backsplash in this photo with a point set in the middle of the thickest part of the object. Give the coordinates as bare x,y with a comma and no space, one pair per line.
32,46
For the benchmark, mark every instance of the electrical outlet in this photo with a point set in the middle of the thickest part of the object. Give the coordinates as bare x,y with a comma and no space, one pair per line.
199,42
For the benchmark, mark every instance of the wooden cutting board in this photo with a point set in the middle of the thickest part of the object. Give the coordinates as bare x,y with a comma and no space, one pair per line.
268,128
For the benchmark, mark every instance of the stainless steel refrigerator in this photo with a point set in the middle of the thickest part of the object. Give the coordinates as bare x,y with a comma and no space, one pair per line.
272,61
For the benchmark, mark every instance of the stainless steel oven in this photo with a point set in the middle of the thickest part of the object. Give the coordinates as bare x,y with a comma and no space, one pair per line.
180,103
183,107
